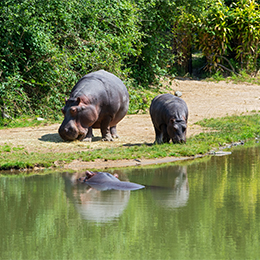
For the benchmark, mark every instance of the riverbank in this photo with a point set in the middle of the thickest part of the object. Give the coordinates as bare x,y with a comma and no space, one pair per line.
204,100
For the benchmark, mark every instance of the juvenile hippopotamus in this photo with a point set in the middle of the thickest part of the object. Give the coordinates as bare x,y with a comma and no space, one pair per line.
98,100
169,115
107,181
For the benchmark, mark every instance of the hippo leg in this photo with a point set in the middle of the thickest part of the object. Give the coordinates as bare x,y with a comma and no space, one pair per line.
89,135
158,136
113,132
105,130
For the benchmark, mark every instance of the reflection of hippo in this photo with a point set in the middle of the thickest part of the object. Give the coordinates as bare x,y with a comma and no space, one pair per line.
174,192
106,181
94,205
98,100
101,207
169,115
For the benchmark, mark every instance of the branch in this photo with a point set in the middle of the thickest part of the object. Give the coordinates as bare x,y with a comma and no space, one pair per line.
222,66
228,63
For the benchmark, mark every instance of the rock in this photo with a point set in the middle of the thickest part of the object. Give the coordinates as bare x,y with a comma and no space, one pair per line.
178,93
222,153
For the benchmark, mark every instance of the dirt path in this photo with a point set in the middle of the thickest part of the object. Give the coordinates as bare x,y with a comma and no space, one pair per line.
204,100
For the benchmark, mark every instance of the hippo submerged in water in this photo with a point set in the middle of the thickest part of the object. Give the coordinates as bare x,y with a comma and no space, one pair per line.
98,100
107,181
169,115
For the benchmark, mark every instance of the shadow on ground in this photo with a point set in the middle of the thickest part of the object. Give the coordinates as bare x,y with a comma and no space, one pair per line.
138,144
55,138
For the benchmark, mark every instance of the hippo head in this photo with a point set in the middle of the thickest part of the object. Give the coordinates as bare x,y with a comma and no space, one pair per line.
78,116
88,174
176,129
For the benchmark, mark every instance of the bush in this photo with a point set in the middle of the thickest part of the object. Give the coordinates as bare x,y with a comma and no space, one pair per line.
49,44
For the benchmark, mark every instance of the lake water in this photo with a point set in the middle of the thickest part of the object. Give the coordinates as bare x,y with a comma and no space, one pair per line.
203,209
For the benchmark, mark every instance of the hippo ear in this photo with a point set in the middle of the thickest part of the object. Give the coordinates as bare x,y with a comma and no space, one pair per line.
78,100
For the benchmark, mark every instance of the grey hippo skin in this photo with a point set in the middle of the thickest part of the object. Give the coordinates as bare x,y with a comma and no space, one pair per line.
169,115
98,100
107,181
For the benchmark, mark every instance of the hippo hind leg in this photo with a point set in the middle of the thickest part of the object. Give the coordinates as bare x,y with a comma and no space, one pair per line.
113,132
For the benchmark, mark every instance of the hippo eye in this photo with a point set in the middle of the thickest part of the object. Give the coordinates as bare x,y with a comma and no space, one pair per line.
73,111
184,128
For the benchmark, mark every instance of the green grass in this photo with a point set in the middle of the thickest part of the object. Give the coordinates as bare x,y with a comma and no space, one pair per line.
27,122
224,131
243,77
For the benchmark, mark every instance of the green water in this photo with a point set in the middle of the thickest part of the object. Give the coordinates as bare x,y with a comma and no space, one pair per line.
208,209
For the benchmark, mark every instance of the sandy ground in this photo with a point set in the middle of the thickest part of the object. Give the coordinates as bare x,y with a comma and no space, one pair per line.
204,100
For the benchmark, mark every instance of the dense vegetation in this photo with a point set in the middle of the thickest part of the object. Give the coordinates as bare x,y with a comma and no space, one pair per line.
47,45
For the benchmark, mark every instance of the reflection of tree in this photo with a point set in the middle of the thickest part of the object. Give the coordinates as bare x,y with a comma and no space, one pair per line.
29,211
224,205
175,192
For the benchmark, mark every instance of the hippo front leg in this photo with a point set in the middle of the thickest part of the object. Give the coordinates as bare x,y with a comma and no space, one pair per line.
105,130
158,136
166,137
89,135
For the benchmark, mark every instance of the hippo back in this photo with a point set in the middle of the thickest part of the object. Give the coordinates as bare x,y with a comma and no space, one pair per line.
97,82
166,106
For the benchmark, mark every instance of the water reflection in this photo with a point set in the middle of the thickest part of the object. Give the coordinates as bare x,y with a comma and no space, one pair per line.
175,192
95,204
208,209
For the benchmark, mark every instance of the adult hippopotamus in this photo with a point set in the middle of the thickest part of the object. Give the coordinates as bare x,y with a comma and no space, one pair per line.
107,181
169,115
98,100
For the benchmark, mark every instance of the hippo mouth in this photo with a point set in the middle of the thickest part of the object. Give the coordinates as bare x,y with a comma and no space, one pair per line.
178,141
81,136
71,134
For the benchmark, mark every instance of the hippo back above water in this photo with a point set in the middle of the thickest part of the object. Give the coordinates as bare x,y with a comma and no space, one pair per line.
169,115
107,181
98,100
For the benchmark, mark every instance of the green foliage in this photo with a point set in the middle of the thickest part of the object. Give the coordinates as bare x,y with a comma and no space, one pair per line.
213,34
156,53
47,45
183,37
246,27
140,99
54,43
